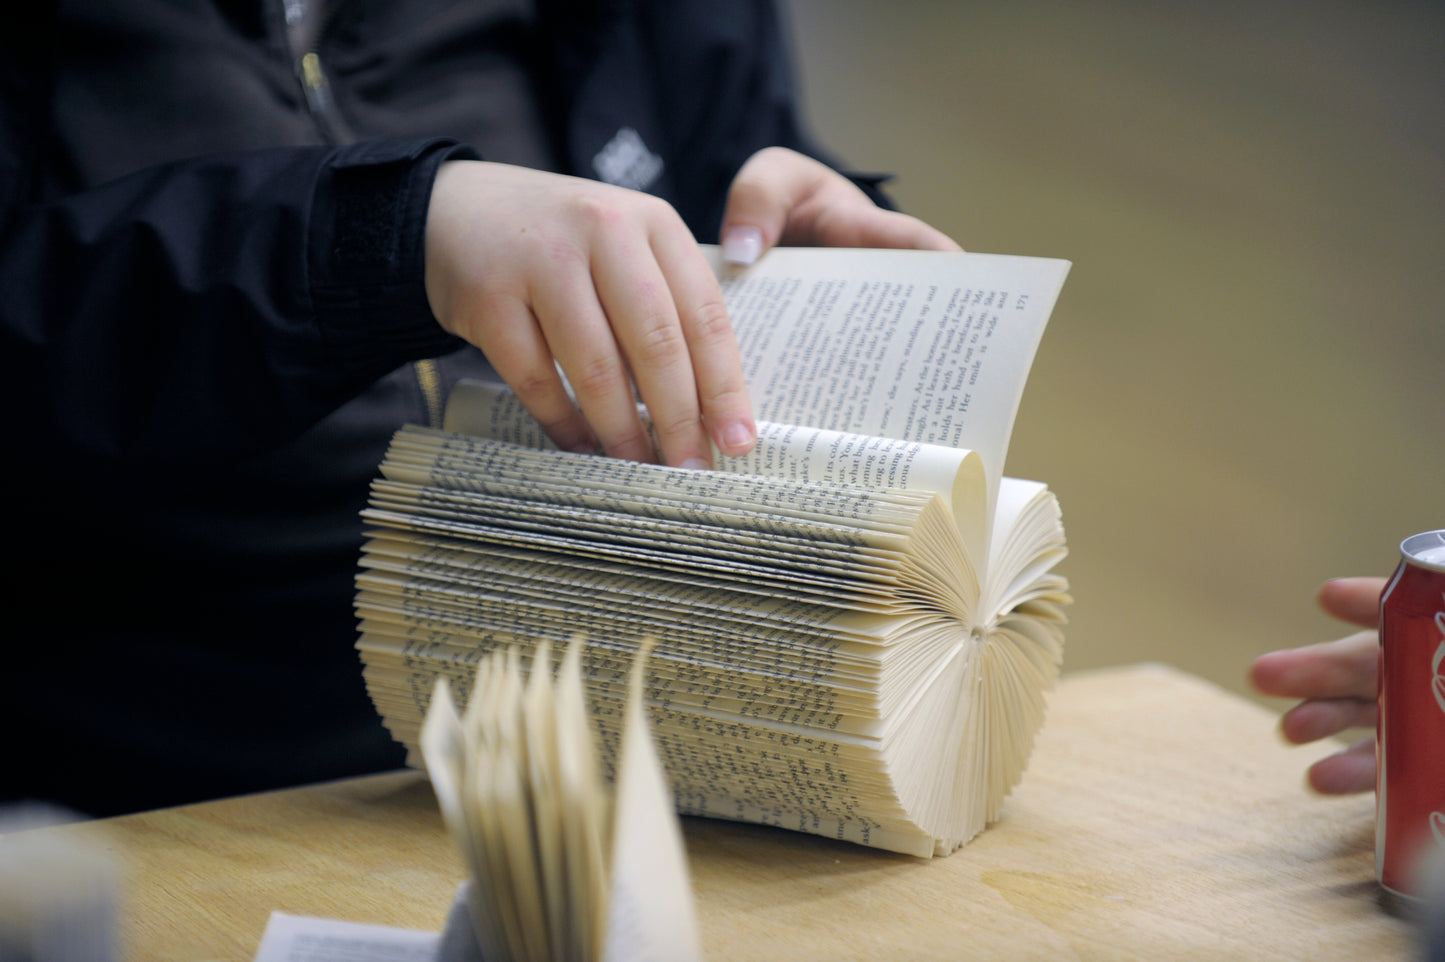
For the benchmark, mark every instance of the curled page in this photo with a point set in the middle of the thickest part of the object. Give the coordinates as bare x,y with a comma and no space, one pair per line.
650,916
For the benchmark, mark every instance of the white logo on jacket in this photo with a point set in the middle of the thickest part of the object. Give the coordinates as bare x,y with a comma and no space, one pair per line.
625,161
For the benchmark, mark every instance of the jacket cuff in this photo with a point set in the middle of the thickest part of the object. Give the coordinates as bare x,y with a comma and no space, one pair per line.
367,249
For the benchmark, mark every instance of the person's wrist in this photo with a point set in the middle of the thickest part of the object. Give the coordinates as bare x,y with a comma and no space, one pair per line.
435,244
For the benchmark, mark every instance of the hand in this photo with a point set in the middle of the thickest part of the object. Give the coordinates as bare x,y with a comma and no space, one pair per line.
540,270
783,197
1337,680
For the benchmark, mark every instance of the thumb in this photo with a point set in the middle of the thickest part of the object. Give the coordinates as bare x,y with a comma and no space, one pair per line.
1356,600
763,195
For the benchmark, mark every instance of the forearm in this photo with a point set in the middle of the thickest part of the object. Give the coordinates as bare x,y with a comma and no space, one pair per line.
213,308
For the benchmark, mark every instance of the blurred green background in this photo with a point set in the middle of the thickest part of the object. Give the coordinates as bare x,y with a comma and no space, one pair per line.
1242,390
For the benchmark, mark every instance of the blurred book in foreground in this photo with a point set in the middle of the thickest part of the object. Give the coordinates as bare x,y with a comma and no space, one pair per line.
563,867
561,870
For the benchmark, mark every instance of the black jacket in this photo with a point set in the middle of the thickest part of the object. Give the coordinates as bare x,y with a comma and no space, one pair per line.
210,298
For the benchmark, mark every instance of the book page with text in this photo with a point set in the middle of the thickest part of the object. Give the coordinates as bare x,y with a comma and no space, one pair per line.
925,346
487,409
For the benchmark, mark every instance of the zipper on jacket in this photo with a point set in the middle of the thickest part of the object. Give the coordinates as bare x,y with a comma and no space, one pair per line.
318,90
305,21
304,24
429,379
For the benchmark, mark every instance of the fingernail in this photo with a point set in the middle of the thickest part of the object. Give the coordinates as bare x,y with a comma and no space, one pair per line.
742,245
694,464
736,436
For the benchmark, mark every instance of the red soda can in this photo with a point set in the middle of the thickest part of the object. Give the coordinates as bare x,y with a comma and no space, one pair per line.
1410,736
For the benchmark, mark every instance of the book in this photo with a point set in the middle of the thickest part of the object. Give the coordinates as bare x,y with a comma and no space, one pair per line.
856,624
560,868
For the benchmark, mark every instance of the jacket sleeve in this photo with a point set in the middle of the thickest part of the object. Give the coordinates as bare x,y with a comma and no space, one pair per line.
208,309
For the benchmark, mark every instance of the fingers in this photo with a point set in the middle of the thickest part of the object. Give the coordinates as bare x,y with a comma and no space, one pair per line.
781,196
1337,681
670,322
1356,600
1346,772
876,227
716,361
524,360
1318,718
762,196
545,272
1347,668
570,310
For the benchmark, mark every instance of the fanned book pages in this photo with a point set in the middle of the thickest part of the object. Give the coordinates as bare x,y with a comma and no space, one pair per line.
856,624
558,871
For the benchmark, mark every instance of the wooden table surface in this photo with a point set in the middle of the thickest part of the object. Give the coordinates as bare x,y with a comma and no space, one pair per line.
1160,818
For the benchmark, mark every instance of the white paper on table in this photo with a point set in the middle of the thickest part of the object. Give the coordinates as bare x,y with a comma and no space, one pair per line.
300,938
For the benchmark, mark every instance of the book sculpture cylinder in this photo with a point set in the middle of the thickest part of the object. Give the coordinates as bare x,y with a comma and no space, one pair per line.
855,627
